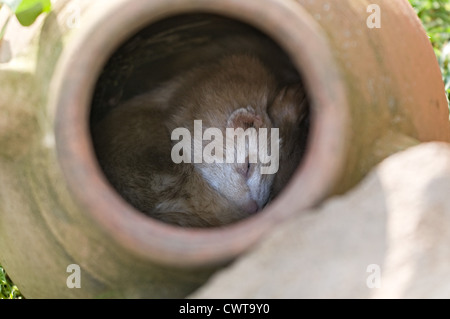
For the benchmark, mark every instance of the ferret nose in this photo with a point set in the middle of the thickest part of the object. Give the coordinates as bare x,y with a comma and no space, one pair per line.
251,207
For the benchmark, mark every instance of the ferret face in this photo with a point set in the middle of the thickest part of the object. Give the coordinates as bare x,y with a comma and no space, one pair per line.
240,171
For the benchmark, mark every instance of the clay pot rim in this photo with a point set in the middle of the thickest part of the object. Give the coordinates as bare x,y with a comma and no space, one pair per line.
73,84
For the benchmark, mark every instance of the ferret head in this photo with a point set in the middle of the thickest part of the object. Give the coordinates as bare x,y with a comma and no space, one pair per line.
242,166
231,97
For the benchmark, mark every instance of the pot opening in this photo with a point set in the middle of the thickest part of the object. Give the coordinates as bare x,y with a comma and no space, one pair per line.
161,107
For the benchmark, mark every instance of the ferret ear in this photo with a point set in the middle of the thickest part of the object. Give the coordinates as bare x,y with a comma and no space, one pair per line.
289,105
244,118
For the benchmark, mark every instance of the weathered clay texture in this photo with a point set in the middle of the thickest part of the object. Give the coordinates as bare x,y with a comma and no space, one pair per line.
396,223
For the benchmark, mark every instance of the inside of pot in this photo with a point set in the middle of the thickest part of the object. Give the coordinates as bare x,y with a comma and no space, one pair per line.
175,88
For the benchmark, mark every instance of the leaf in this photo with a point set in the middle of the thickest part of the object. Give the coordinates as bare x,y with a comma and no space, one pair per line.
29,10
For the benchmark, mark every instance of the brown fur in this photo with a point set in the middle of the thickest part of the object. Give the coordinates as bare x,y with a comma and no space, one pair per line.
134,147
289,111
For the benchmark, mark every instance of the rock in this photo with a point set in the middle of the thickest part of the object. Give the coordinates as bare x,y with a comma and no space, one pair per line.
387,238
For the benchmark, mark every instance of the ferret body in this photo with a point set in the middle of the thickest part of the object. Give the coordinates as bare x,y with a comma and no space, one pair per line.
133,142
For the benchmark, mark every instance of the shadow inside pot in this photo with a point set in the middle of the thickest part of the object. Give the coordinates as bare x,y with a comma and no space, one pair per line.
171,47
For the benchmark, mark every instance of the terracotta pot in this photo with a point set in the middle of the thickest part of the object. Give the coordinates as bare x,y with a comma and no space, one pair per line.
373,92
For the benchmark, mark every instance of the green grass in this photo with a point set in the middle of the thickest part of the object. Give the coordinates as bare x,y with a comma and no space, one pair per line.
435,16
7,289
